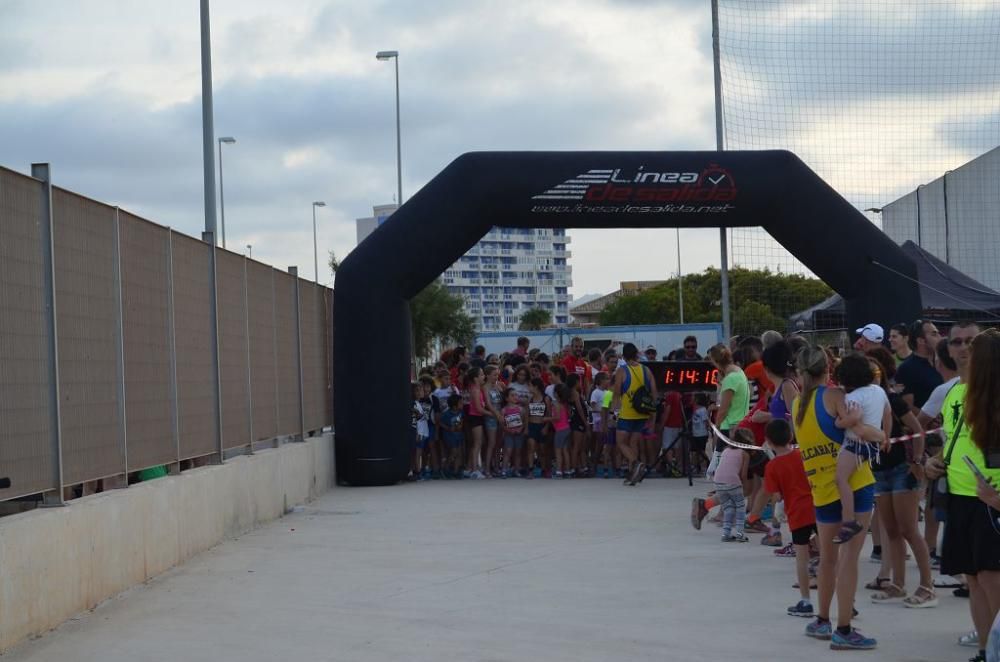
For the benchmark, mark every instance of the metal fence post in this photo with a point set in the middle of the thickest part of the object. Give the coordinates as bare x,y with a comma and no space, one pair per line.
120,331
42,172
172,322
213,293
246,319
298,349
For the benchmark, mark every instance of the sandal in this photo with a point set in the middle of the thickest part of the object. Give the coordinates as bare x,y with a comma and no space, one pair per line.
922,598
878,583
847,531
889,595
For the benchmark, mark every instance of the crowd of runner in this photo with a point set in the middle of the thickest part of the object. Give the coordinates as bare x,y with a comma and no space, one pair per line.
833,444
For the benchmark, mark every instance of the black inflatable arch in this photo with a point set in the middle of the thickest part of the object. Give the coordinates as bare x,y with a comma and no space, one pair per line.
477,191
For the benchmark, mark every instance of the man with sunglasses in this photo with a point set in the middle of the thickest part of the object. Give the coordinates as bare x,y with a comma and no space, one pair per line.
917,376
690,352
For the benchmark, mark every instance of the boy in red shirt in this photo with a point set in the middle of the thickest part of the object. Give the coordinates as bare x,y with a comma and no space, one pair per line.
785,476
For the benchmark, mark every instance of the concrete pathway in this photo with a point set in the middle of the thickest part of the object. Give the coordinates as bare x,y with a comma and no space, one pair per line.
485,570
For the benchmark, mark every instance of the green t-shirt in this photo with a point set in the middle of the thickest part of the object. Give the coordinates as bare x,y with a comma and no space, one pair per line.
961,480
739,406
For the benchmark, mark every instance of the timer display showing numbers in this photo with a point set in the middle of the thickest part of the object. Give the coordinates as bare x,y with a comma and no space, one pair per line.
684,375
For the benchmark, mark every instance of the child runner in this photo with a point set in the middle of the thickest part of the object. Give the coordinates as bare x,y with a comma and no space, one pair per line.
418,419
597,417
579,422
491,423
432,462
478,411
560,422
730,477
867,405
512,419
699,433
536,423
673,425
610,451
785,476
451,433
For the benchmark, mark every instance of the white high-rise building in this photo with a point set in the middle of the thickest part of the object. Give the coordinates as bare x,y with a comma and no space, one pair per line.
509,272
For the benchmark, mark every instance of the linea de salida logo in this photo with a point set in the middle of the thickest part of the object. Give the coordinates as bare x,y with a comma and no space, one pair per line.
618,185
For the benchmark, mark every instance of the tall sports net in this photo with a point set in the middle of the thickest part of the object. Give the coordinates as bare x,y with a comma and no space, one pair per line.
881,98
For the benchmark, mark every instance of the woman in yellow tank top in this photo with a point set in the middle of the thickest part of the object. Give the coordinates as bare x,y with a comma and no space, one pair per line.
814,414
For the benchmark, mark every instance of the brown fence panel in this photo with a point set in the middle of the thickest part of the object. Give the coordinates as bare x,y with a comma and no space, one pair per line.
145,317
313,354
193,340
233,350
87,318
262,360
25,441
289,421
328,331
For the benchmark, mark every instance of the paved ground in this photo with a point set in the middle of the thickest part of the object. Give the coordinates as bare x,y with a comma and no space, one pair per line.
484,570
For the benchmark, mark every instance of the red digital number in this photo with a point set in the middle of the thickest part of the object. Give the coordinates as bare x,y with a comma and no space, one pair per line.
714,377
691,376
668,377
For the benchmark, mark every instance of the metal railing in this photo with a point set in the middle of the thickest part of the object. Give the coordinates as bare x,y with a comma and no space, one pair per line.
113,358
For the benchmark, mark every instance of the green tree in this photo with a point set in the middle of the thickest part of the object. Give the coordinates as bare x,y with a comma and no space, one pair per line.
436,313
535,319
333,263
760,300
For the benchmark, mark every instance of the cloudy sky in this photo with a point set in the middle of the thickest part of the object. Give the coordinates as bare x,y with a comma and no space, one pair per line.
108,91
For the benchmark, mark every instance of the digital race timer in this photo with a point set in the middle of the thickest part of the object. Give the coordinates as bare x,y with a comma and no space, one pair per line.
684,375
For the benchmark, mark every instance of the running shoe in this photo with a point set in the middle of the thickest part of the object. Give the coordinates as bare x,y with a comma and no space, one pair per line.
736,537
961,592
756,527
853,641
876,557
970,639
771,540
558,474
698,513
788,551
819,630
935,562
978,658
802,609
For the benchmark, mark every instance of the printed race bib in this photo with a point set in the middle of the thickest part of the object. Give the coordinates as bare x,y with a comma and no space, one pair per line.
513,421
536,408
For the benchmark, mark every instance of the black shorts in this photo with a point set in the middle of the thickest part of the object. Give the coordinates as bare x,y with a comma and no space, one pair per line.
757,468
698,444
971,537
473,421
802,535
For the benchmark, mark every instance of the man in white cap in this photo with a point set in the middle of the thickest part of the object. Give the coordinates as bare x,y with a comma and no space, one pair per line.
870,335
649,354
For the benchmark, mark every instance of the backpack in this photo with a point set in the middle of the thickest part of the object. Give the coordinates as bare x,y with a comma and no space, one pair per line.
642,399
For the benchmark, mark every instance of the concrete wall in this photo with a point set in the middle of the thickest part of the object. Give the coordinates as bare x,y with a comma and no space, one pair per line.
57,562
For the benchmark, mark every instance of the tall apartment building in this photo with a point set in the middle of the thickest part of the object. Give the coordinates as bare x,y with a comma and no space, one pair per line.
509,272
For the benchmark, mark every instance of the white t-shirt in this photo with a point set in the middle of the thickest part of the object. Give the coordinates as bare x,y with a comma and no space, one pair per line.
873,401
699,422
442,395
550,391
596,404
932,407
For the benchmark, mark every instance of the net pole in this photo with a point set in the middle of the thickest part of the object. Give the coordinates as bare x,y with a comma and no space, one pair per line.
720,145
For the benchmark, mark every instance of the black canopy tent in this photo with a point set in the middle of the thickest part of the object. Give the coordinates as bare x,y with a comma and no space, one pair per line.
477,191
945,294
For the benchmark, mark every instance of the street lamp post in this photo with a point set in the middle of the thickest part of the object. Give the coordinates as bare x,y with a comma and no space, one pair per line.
394,55
249,251
229,140
318,203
